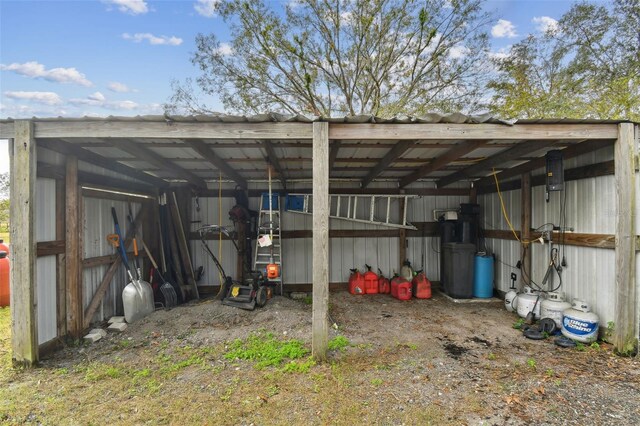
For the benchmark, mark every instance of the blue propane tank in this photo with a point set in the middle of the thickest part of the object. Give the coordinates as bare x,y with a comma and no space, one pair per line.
483,276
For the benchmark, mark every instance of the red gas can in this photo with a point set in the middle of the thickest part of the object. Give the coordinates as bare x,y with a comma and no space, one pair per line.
356,282
400,288
4,279
370,281
421,286
384,285
4,247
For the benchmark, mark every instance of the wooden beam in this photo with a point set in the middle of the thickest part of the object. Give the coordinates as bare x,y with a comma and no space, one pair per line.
402,238
95,180
228,193
625,335
320,322
24,323
183,244
90,157
525,224
567,153
333,154
108,276
206,152
145,154
398,149
273,160
61,280
603,241
463,148
72,248
449,131
500,158
163,130
605,168
49,248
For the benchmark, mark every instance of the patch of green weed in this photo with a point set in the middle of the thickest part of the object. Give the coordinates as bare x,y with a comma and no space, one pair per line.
299,366
265,349
376,382
338,343
491,356
595,346
518,324
308,300
531,363
580,347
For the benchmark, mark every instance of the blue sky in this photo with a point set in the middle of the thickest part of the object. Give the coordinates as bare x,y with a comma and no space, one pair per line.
118,57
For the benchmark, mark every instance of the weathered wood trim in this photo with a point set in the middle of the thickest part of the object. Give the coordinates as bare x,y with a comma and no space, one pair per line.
24,323
604,241
163,130
228,193
116,196
72,248
625,335
442,131
61,277
525,224
107,259
49,248
320,273
402,237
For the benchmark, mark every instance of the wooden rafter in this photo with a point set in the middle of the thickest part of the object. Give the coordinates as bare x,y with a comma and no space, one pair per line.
515,152
453,154
569,152
145,154
87,156
273,160
205,151
398,149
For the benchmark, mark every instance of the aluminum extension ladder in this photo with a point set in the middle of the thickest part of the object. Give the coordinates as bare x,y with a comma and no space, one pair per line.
346,207
271,247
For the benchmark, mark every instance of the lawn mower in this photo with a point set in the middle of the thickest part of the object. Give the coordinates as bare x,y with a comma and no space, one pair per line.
249,293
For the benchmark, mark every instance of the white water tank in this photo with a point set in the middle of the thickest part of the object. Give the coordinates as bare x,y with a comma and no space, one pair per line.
579,323
553,307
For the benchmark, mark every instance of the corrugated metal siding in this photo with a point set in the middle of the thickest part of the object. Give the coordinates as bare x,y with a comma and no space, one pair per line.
96,225
590,208
45,218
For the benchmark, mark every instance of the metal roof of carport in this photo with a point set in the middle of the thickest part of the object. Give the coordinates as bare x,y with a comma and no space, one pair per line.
447,148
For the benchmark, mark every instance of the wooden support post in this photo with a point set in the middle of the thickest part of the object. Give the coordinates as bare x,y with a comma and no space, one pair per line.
61,280
525,223
72,251
625,336
320,325
402,240
24,330
473,195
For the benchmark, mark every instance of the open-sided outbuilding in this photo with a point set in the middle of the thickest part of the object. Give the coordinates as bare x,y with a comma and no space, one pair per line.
67,173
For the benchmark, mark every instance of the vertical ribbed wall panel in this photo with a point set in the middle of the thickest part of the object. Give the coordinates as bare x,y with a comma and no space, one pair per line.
45,216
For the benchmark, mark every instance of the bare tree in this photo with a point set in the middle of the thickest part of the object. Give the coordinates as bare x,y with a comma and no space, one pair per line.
342,57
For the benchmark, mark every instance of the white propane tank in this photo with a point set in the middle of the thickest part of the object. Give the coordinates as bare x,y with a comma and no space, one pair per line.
511,300
527,300
553,307
579,323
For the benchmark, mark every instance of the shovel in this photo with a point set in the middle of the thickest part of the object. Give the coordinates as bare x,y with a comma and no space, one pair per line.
531,316
168,293
145,287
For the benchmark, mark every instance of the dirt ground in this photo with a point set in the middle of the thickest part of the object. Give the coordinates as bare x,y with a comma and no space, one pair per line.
417,362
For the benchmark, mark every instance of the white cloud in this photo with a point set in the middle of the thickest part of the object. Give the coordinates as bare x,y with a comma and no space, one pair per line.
502,53
545,24
97,99
459,51
34,69
504,29
47,98
225,49
206,8
117,87
152,39
132,7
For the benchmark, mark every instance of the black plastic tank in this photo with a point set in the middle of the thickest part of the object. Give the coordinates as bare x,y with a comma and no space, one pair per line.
458,270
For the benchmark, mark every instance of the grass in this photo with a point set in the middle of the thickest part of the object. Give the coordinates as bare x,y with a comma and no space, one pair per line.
265,350
4,235
338,343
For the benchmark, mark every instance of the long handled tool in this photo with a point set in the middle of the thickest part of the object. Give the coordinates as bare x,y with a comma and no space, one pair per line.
167,290
145,287
134,307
